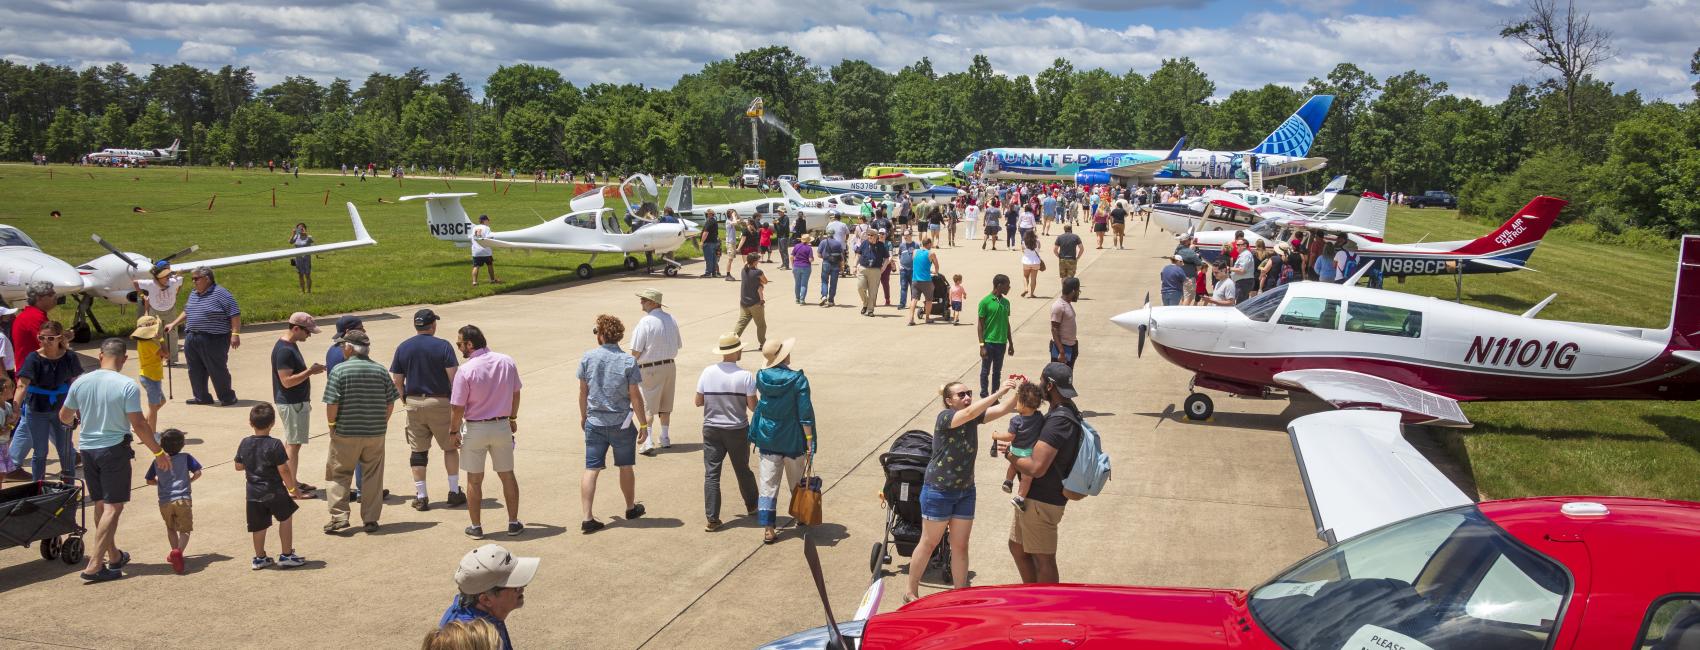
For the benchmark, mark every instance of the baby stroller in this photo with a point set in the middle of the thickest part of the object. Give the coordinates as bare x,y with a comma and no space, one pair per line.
905,470
941,299
46,511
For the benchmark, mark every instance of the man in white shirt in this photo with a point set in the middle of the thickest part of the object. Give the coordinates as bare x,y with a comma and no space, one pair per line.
1223,292
1245,275
161,292
727,395
481,254
655,343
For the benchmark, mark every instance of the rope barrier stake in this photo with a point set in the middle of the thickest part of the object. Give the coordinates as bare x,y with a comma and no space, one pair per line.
327,197
274,197
210,202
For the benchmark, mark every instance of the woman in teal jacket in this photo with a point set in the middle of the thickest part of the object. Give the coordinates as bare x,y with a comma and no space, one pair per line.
782,430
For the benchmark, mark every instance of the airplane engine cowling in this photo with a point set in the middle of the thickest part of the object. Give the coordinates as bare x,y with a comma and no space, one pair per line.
1091,178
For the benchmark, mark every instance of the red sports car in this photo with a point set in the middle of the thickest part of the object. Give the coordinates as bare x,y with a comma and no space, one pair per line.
1537,573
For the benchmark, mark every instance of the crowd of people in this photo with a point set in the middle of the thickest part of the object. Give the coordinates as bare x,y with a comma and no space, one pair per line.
1241,270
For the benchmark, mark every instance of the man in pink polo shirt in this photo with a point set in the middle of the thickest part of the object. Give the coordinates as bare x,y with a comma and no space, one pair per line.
484,408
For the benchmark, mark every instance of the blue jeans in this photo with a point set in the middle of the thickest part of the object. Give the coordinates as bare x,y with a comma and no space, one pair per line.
1067,354
829,281
1171,298
801,274
711,254
35,432
945,505
992,366
598,440
903,281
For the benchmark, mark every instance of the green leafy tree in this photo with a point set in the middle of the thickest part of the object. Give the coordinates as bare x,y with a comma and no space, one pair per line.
1172,103
914,103
1052,87
426,127
855,130
111,131
1352,89
512,86
67,135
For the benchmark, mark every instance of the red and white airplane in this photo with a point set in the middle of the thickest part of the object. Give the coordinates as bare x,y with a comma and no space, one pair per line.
167,154
1357,347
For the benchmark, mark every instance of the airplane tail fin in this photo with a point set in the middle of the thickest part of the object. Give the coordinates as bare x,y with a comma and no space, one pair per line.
1294,136
174,144
1371,213
1332,190
444,216
1685,307
679,198
789,191
1522,231
808,166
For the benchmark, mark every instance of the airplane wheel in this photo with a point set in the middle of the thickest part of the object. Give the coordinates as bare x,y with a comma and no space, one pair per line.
81,334
1199,407
671,271
583,272
631,263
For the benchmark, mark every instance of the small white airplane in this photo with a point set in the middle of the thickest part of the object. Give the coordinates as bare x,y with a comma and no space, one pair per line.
110,276
589,228
1271,225
1357,347
819,210
167,154
1318,205
679,199
919,185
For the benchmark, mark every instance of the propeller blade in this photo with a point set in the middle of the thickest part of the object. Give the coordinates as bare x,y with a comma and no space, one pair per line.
114,250
1144,326
1141,353
192,248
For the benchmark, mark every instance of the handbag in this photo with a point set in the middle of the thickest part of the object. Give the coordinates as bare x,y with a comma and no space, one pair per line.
1041,264
806,495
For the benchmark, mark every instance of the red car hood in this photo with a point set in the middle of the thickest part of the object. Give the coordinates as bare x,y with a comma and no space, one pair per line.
1068,617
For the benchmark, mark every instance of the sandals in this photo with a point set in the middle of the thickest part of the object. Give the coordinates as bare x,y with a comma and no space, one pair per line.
769,537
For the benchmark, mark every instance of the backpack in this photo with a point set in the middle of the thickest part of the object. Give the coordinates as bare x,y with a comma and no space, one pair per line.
1091,463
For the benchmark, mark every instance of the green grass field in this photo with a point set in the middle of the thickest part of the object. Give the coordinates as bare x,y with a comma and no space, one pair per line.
407,266
1536,448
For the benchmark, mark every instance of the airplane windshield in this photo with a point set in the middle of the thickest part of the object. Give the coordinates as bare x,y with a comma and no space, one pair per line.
1449,579
1267,229
14,237
1263,306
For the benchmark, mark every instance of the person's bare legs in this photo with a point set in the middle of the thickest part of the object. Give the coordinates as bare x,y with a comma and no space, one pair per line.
293,452
475,497
1047,567
587,492
1024,563
153,415
286,535
931,533
959,531
628,486
105,535
475,275
259,543
510,493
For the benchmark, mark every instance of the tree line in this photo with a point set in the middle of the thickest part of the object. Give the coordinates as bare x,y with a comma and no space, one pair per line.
1623,161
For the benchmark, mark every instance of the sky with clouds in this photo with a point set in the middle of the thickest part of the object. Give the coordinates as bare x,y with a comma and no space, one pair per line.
1238,43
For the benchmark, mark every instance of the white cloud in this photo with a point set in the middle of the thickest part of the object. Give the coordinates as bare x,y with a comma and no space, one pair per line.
655,41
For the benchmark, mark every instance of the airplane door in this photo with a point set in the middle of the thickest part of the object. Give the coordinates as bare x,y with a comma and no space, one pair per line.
1306,324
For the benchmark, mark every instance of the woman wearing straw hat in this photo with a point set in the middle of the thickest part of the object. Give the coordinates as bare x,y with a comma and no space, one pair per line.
782,430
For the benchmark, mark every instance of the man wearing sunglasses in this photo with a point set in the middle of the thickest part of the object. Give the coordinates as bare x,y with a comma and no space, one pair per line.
215,328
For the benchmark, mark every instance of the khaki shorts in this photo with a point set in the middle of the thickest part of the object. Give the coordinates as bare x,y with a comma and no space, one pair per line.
297,419
179,516
427,420
1118,228
1035,528
481,438
656,387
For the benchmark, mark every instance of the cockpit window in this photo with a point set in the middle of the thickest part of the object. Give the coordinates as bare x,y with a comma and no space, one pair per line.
15,237
1263,306
611,224
1389,321
585,220
1450,579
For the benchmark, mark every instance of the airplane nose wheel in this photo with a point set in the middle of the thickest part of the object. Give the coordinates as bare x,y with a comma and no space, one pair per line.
1199,407
631,263
671,271
583,272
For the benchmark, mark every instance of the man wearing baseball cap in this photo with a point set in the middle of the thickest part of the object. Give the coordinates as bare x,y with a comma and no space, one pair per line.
333,355
492,585
292,391
1033,533
359,398
424,370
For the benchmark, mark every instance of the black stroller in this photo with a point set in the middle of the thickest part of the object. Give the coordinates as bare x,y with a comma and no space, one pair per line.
905,470
46,511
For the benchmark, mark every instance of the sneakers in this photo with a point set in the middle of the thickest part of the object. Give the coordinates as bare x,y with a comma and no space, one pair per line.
1008,486
18,475
175,559
261,562
713,525
421,504
457,499
336,526
370,527
287,560
475,532
634,512
1019,503
648,451
589,526
103,575
515,528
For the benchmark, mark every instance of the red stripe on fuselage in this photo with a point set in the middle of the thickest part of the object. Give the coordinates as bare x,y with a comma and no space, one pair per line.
1461,385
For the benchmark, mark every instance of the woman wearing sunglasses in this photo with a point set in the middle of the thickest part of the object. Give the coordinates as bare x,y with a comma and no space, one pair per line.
947,496
43,380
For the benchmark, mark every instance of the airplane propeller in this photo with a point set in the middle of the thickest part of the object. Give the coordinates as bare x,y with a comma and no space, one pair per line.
114,250
1144,326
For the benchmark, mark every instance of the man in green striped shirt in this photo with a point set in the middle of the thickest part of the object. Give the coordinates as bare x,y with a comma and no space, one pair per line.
359,397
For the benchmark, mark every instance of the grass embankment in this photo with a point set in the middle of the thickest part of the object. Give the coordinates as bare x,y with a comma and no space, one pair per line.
1633,448
408,266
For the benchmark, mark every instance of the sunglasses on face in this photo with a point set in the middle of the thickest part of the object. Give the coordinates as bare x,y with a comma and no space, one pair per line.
965,393
50,338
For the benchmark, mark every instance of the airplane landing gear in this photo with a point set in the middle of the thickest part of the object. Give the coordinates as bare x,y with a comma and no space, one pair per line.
631,263
583,272
670,271
84,325
1199,407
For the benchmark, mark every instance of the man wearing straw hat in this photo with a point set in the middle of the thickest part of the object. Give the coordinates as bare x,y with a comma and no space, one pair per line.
655,342
726,393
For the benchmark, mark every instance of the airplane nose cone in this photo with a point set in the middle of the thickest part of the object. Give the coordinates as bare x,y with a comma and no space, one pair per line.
1133,320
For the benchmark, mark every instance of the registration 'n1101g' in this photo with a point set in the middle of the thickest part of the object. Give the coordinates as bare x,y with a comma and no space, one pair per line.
1526,353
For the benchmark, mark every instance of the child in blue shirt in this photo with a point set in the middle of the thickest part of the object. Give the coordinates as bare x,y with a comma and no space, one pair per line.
174,504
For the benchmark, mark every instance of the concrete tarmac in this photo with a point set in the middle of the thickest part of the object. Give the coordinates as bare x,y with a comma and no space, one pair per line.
1216,503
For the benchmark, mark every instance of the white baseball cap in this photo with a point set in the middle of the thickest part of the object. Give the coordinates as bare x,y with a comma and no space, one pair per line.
490,566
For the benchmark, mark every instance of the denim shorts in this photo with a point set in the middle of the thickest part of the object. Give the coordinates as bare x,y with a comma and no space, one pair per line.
156,395
598,440
945,505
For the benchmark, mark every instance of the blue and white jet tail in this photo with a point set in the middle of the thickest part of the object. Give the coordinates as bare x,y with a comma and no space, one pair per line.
1294,136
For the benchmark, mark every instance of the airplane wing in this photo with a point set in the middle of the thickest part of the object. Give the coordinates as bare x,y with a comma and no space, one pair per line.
361,238
1360,474
1149,169
1347,389
562,248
